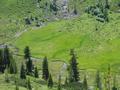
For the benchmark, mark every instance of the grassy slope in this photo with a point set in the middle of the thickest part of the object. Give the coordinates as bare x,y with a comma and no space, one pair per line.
95,49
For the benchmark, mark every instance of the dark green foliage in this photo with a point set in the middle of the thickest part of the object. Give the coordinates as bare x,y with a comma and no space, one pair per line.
107,4
22,72
29,66
45,70
27,21
36,73
1,62
27,56
29,85
73,69
114,88
50,81
27,52
75,11
98,81
6,57
100,10
13,67
85,84
54,7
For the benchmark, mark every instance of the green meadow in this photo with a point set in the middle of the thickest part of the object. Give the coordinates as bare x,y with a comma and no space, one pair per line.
96,44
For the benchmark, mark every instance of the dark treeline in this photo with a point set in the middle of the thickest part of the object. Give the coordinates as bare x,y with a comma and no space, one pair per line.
73,79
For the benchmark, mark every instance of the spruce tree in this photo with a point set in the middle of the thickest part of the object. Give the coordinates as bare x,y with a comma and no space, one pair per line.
50,81
29,66
98,81
27,56
85,84
45,70
27,52
73,69
36,73
1,62
22,72
6,57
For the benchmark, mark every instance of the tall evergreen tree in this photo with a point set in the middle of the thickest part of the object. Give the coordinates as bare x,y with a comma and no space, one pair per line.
29,66
6,56
85,84
22,72
36,73
27,56
50,81
1,62
27,53
73,69
98,81
45,70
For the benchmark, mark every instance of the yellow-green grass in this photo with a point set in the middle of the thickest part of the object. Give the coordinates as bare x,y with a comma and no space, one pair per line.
95,48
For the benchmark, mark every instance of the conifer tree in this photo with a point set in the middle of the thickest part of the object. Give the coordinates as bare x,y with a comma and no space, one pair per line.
45,70
27,53
85,84
71,78
1,62
36,73
22,72
98,81
6,56
73,69
29,66
50,81
27,56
